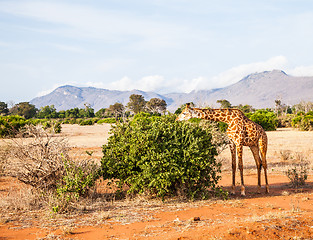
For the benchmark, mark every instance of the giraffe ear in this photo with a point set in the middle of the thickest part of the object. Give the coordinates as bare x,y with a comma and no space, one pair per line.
187,105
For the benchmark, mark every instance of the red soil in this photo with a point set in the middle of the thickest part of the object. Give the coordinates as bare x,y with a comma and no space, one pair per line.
285,213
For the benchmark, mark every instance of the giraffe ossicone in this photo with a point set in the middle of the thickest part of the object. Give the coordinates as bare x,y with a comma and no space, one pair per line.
241,132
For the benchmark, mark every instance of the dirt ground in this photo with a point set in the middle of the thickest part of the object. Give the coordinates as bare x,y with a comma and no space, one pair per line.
284,213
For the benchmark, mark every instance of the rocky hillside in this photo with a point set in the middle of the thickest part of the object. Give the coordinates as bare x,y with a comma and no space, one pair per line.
259,90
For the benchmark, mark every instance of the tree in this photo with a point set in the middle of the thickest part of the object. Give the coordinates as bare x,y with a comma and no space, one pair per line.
136,103
72,113
245,108
47,112
156,105
277,106
117,109
3,108
24,109
101,113
224,103
181,108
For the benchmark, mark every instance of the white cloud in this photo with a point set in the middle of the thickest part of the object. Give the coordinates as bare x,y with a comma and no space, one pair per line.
45,92
147,83
158,83
301,71
235,74
87,22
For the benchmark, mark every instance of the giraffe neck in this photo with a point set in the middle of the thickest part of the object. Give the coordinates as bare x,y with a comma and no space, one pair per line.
218,115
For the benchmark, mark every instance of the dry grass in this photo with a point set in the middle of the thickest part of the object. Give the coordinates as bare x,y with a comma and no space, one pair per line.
102,206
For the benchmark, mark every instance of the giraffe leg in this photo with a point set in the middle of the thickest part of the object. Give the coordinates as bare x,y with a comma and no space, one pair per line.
263,150
256,155
240,166
233,157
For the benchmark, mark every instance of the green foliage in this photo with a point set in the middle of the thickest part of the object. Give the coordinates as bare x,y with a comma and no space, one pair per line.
245,108
267,119
47,112
4,108
78,180
162,157
303,121
156,105
24,109
10,125
136,103
57,127
86,122
107,120
102,113
224,103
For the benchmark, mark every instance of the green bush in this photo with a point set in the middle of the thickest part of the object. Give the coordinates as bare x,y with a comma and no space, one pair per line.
78,177
57,127
86,122
10,125
159,156
267,119
303,121
78,180
107,120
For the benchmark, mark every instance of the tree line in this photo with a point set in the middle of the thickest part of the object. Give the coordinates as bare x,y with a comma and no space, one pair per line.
298,116
136,104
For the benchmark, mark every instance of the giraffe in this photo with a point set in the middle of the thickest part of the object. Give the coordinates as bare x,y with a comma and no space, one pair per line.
241,132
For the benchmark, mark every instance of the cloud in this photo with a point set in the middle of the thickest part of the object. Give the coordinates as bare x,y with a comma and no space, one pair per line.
85,22
160,84
301,71
45,92
235,74
148,83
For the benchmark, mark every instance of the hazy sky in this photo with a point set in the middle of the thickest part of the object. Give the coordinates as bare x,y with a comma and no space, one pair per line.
152,45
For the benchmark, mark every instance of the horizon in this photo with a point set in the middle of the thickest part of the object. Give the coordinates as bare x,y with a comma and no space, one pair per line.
131,90
161,46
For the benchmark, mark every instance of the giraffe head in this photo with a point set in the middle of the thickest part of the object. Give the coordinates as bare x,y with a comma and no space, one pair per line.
186,114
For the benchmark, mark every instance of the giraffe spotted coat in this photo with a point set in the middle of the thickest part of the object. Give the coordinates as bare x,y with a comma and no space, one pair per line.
241,132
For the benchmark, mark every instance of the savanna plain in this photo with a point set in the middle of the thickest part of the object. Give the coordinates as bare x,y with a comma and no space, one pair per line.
285,213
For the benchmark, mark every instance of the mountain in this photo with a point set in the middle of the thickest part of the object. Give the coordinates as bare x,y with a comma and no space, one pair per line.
258,89
67,97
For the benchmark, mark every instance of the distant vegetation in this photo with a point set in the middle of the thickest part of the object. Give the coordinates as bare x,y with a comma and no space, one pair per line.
299,116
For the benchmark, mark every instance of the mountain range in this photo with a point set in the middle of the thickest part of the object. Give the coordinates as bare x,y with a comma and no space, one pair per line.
258,89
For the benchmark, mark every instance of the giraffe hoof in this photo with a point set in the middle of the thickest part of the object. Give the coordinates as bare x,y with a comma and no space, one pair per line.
267,190
243,192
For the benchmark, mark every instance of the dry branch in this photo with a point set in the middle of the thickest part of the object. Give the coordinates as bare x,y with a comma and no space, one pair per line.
38,159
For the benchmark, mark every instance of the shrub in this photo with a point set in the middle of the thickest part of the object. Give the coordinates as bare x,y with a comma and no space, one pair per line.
107,120
162,157
86,122
38,160
79,178
267,119
303,121
297,175
10,125
57,127
69,121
